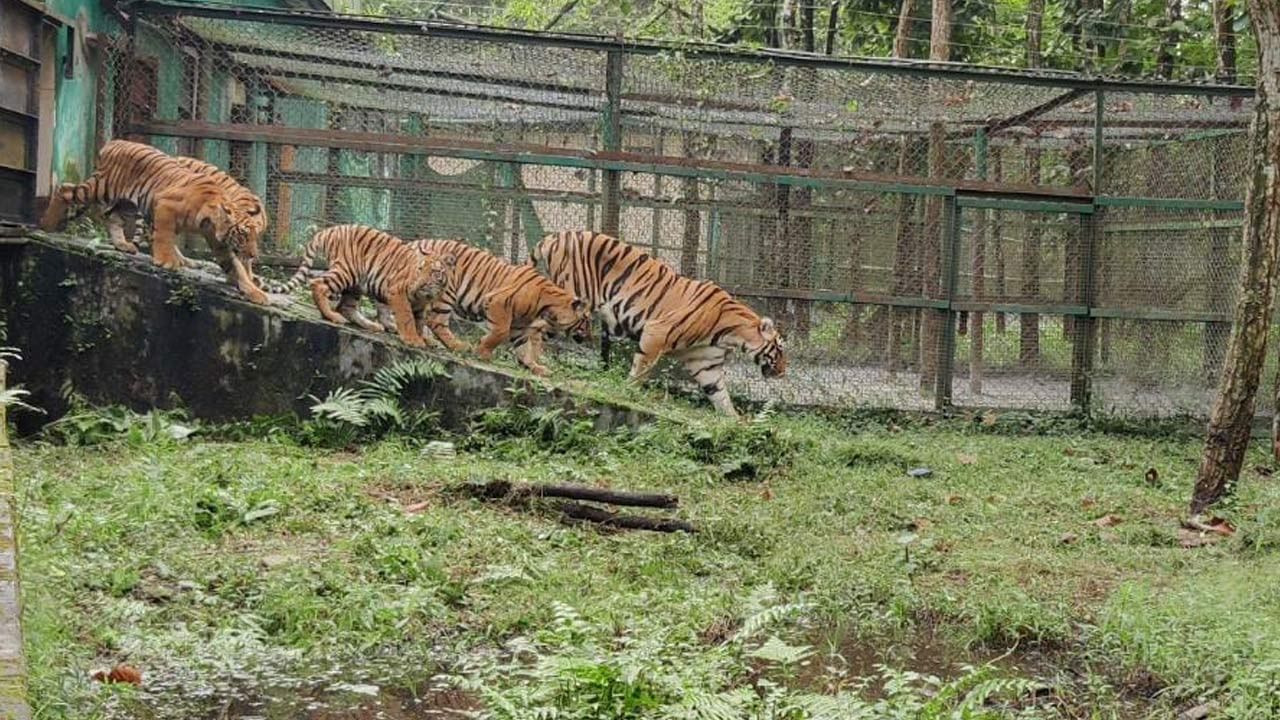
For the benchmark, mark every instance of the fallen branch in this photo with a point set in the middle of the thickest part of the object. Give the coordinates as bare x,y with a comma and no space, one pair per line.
578,511
495,489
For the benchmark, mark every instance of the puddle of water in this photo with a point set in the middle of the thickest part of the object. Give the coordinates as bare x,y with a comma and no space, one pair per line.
846,657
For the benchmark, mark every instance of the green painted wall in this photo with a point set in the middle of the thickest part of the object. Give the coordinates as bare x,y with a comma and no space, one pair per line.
74,118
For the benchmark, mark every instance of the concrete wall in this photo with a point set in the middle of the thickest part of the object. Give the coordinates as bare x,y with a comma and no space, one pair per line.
122,331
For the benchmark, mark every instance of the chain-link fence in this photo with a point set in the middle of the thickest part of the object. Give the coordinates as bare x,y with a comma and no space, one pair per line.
927,235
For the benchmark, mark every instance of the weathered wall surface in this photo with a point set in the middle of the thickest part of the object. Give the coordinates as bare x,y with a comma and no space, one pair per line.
122,331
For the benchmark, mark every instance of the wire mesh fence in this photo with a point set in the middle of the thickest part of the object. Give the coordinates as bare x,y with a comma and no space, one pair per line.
925,235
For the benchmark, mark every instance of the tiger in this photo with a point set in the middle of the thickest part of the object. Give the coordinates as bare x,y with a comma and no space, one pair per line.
515,301
242,198
637,296
365,260
132,177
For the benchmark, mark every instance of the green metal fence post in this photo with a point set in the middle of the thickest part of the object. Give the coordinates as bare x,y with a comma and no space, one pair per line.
1082,347
610,193
612,140
950,275
1085,292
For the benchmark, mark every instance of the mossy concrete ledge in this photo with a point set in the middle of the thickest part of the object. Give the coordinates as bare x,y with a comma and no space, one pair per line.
121,331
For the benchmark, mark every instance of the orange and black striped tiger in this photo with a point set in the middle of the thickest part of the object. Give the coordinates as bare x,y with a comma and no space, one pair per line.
133,177
514,300
364,260
242,201
695,321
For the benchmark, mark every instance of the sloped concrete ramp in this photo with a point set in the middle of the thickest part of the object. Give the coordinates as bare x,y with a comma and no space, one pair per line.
121,331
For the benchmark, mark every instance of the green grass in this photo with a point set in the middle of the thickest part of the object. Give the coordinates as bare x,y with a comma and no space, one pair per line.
267,568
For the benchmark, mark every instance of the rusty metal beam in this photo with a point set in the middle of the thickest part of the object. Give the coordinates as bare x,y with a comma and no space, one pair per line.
621,161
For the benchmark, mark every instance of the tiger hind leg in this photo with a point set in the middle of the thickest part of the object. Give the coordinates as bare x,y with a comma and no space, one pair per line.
320,292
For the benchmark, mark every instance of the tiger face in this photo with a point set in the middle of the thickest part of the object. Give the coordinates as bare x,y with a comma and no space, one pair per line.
567,314
433,275
248,223
769,354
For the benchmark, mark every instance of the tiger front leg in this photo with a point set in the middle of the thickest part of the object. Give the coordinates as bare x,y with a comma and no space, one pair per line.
438,317
349,308
706,365
652,342
406,323
164,230
116,231
529,350
498,312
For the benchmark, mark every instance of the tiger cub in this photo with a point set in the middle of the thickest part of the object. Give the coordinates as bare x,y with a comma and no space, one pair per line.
133,177
366,260
515,301
645,299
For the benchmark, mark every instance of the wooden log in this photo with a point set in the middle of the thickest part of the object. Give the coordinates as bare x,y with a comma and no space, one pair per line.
589,513
495,489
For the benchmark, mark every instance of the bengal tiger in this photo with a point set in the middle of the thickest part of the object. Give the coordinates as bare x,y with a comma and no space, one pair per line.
242,198
515,301
133,177
365,260
643,298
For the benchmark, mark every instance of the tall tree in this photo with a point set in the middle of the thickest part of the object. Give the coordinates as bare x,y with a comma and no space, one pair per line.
1169,38
1029,323
1231,419
931,327
904,236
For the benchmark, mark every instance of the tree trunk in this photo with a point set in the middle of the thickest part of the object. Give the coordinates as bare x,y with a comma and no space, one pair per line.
904,245
833,22
997,240
1168,39
1223,20
902,38
1216,333
1029,335
1229,423
933,320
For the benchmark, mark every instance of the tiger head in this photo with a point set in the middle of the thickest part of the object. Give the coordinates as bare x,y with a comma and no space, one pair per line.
237,226
565,313
433,275
765,347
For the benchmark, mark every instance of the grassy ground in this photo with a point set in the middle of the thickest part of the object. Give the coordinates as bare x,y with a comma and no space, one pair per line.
285,571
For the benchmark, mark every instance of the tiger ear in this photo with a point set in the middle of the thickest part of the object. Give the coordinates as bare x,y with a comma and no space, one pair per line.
767,327
449,260
578,305
218,222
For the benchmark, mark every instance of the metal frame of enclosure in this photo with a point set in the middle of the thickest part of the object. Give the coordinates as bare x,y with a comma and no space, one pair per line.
929,235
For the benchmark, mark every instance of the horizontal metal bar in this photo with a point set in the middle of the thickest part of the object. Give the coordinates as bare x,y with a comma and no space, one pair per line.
1167,203
859,298
542,155
999,203
687,49
1019,309
1158,314
1228,224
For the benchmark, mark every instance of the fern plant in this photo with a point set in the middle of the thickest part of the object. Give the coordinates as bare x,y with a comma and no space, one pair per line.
377,405
13,397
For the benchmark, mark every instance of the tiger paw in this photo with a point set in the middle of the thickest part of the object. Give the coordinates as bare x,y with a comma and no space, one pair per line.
257,297
416,342
539,370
